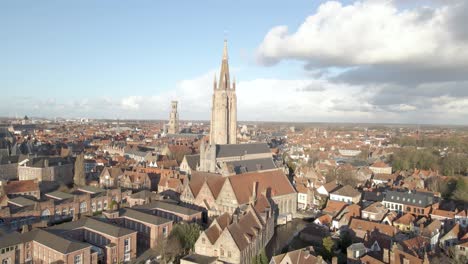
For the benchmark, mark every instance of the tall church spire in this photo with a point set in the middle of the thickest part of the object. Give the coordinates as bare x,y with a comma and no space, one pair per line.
224,108
224,81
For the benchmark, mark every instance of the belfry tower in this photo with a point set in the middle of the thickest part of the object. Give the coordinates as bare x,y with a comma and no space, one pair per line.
173,119
224,108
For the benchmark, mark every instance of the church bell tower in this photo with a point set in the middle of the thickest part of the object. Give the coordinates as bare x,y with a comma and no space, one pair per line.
224,107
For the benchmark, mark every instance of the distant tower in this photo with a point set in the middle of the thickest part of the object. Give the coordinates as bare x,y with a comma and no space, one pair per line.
173,119
224,109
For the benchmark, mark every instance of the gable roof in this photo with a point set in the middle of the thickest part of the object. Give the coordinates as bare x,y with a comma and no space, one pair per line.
213,180
243,166
274,181
368,226
193,160
347,191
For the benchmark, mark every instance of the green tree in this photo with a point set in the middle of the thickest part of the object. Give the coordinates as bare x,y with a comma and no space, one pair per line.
461,191
328,245
187,234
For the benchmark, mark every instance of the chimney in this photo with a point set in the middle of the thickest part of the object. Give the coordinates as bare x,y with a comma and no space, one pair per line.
235,218
254,190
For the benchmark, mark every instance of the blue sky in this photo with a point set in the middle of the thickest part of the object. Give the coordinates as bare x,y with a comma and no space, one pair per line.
115,47
103,59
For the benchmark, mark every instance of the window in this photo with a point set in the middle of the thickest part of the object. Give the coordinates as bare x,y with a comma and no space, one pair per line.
164,231
83,207
77,259
229,254
127,245
127,257
203,240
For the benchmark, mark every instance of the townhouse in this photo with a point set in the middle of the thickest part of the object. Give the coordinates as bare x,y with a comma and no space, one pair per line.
380,167
374,212
346,194
417,203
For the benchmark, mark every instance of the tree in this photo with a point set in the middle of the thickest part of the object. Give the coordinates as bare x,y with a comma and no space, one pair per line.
328,245
461,191
187,234
345,241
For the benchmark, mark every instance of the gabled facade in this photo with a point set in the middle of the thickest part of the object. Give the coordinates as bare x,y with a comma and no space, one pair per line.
238,238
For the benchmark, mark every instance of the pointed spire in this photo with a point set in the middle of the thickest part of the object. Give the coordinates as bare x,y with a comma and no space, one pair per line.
225,51
224,80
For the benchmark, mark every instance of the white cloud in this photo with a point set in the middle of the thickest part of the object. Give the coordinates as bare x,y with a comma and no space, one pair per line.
132,102
305,100
371,32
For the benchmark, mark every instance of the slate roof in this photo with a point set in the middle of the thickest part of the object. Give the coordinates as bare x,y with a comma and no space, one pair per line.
10,239
93,224
193,160
53,241
243,166
59,195
90,189
200,259
231,150
22,201
171,207
419,199
9,159
144,217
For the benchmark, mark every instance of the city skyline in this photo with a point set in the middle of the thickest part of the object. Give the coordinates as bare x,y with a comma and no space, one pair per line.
407,65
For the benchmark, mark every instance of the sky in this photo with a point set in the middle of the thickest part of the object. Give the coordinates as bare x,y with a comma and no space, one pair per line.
377,61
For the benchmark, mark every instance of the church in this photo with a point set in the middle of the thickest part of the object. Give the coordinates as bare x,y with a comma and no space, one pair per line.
222,154
230,176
